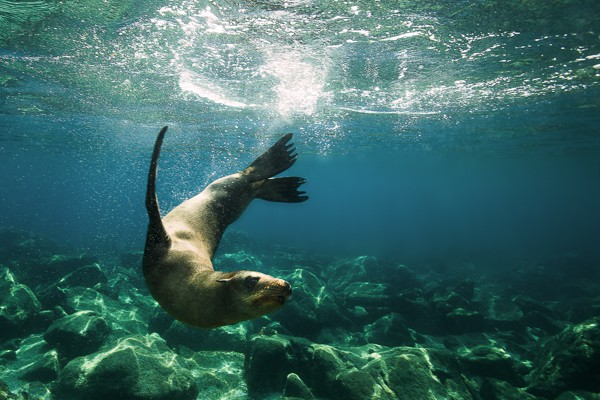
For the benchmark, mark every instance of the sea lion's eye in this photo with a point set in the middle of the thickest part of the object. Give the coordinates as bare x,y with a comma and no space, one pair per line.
251,281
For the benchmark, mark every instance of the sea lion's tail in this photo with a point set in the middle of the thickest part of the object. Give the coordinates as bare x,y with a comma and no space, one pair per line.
157,234
277,159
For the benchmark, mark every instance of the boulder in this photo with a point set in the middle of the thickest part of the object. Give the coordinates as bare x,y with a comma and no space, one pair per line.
407,373
362,372
5,393
370,269
389,330
44,370
35,391
268,362
578,395
86,276
133,368
60,265
569,361
228,338
219,374
311,304
548,324
77,334
367,294
128,310
20,307
503,314
296,388
492,362
493,389
357,384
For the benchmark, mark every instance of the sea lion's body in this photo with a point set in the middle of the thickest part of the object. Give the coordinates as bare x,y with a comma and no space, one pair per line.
179,248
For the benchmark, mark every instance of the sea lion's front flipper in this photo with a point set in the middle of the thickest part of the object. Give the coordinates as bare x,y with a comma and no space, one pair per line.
284,190
274,161
157,238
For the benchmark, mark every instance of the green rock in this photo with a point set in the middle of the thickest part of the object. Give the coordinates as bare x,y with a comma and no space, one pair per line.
60,265
77,334
578,395
87,276
296,388
19,307
44,370
389,330
134,368
5,393
357,385
408,374
35,391
493,389
268,362
492,362
367,294
219,374
569,361
229,338
311,304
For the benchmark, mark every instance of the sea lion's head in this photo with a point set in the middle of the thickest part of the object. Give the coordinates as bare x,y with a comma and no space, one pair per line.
253,294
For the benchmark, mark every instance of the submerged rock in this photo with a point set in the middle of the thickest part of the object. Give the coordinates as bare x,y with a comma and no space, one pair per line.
33,362
86,276
5,393
77,334
389,330
311,304
219,374
578,395
134,368
226,338
343,335
19,308
502,313
569,361
267,364
370,269
44,370
492,362
296,388
493,389
58,266
365,372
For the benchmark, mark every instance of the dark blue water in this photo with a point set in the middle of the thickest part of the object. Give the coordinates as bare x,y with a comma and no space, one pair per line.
448,198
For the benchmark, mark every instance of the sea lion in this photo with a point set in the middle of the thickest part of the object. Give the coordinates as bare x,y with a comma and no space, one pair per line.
179,248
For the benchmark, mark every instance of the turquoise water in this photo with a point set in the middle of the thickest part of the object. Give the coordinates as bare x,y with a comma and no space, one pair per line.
423,127
442,135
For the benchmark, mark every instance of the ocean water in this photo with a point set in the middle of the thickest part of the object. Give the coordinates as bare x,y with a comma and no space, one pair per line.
423,127
432,134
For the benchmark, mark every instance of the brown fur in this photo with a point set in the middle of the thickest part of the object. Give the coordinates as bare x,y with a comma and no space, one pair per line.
179,248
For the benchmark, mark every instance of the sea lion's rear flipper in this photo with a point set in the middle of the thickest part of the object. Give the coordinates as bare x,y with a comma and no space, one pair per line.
157,237
274,161
284,190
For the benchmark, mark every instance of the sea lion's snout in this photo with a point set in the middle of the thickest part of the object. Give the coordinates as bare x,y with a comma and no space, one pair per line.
278,291
286,289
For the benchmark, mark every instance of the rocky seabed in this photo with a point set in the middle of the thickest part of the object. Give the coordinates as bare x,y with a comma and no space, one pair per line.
78,326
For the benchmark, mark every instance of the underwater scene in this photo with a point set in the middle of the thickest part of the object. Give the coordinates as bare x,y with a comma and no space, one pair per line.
449,247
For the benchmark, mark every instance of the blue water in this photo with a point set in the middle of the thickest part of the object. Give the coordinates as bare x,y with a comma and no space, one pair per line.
430,133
